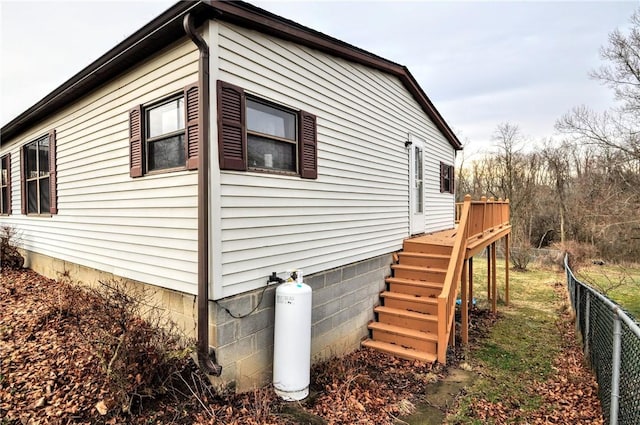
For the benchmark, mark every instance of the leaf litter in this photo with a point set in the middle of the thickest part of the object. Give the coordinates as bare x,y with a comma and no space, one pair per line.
51,372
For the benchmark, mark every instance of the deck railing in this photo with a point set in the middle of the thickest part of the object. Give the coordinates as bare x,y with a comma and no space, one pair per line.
485,215
474,219
447,298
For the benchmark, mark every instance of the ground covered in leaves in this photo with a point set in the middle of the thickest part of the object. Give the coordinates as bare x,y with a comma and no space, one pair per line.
72,355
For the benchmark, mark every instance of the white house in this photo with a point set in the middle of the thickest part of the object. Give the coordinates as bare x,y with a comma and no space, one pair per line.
221,143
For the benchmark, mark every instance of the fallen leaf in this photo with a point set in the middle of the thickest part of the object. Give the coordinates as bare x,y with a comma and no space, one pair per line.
41,402
101,407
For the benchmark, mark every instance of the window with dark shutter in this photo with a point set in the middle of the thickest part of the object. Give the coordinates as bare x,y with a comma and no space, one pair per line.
38,176
163,136
5,184
446,178
258,135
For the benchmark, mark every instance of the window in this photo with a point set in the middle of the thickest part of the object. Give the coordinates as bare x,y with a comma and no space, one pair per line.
447,174
5,184
257,135
38,176
164,136
271,138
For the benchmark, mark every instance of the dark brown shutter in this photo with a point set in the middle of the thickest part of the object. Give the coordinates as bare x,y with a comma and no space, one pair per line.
442,174
232,136
136,132
452,179
308,146
23,183
191,130
53,181
7,165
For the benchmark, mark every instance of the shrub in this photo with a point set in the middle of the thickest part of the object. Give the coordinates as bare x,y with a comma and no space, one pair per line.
521,255
141,357
10,258
580,253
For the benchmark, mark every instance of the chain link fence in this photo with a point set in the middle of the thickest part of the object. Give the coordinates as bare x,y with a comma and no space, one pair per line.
611,343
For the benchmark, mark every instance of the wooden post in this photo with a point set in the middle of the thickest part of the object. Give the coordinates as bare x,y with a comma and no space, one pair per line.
442,330
488,272
471,282
494,286
452,334
506,269
464,306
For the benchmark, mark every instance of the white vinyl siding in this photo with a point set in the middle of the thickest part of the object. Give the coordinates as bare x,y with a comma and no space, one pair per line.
439,207
143,229
358,207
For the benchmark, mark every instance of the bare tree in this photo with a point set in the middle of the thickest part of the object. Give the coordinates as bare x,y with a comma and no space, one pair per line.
509,142
619,128
622,73
611,130
558,169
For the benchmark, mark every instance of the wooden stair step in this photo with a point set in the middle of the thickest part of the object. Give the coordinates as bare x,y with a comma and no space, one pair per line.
396,350
424,259
419,272
410,301
423,288
405,335
423,322
406,314
432,247
408,297
399,330
418,268
414,282
423,255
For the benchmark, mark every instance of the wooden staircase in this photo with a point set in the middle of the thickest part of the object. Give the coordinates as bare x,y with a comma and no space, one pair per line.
407,320
416,318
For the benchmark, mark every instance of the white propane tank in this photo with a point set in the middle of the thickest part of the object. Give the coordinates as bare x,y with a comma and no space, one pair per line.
292,340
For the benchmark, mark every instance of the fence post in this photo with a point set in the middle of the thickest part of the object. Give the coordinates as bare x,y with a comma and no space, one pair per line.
577,307
615,369
587,328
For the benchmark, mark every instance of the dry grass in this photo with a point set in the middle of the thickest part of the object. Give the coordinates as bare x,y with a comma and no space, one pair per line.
620,282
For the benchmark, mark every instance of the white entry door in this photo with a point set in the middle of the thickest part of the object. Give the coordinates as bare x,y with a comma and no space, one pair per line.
416,185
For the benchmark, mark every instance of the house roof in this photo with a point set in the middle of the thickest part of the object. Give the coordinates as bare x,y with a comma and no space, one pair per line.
167,28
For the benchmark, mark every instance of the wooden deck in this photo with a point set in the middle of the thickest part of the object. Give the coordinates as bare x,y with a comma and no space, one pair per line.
475,244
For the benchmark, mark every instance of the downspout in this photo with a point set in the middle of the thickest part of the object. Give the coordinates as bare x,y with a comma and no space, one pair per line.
206,358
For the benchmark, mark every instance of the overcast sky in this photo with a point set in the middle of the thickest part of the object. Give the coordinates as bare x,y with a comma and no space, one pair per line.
481,63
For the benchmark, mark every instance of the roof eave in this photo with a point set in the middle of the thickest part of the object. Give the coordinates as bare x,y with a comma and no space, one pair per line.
247,15
135,48
168,27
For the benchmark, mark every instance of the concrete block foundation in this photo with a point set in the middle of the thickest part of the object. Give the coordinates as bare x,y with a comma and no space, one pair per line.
342,301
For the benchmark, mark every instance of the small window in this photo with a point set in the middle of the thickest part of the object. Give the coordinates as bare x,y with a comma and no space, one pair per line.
164,136
36,155
446,178
271,138
5,185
